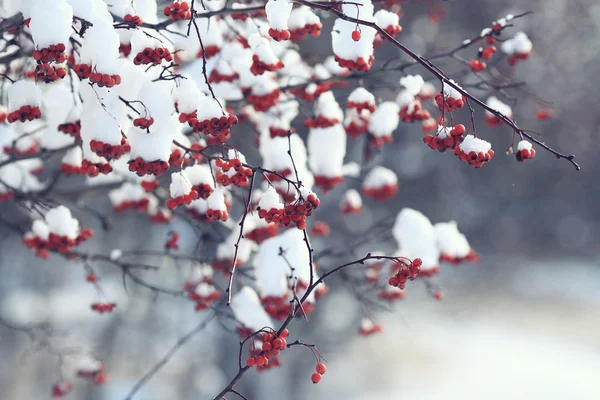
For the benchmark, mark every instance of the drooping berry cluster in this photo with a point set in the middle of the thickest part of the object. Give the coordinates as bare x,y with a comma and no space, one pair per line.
360,64
272,346
71,128
24,113
103,307
449,103
297,35
226,178
477,65
48,73
94,169
295,213
218,128
472,257
143,123
320,121
108,151
264,102
185,199
474,151
54,242
104,80
445,138
209,52
407,271
320,369
259,67
142,167
52,53
217,77
279,34
178,11
137,205
153,56
69,169
525,151
133,20
263,233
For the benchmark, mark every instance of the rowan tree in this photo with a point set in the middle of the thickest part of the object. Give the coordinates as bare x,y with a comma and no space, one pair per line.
214,114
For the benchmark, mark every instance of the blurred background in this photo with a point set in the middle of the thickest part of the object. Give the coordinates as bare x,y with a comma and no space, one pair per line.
523,323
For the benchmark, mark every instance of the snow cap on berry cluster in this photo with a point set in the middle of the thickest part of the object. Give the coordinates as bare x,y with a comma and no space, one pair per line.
23,93
180,184
499,106
153,146
417,237
378,177
302,16
361,95
326,106
226,250
450,92
248,310
326,150
352,198
187,95
60,106
278,13
473,144
199,174
384,119
385,18
524,145
344,46
519,44
100,48
270,199
261,47
412,83
127,192
73,157
61,222
450,241
154,102
216,200
50,23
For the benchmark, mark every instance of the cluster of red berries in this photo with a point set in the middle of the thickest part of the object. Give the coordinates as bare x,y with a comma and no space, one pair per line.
393,30
368,331
292,213
261,234
61,244
360,64
176,158
204,302
125,49
142,167
94,169
473,256
31,150
354,129
516,57
525,154
327,183
137,205
143,123
320,122
103,307
153,56
52,53
217,215
48,73
449,142
209,51
204,190
71,128
216,77
543,114
348,209
279,34
391,295
133,20
259,67
219,128
272,346
299,34
449,103
109,151
69,169
172,242
312,95
477,65
414,113
240,179
178,11
24,113
365,105
487,53
149,185
61,389
379,141
104,80
409,272
99,376
475,159
320,228
279,132
320,370
381,193
185,199
265,102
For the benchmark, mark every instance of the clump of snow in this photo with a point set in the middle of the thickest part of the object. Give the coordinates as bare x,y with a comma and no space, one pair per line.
380,176
248,310
51,22
417,237
499,106
450,241
23,93
519,44
385,119
278,13
473,144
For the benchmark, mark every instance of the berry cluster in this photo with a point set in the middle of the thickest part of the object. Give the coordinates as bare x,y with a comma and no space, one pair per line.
133,20
448,103
476,159
259,67
296,35
279,132
543,114
225,264
172,242
365,105
71,128
261,234
217,77
52,53
446,139
279,34
218,128
391,293
109,151
209,51
408,271
178,11
472,256
61,389
48,73
149,185
103,307
265,102
320,228
414,112
477,65
94,169
69,169
143,123
138,205
185,199
25,113
360,64
61,244
204,294
217,215
525,151
239,179
487,53
292,213
153,56
321,122
320,370
327,183
356,126
516,57
142,167
393,30
272,346
124,49
31,150
104,80
381,193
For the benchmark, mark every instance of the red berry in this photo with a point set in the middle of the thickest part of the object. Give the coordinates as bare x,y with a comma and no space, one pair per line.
316,378
321,368
356,35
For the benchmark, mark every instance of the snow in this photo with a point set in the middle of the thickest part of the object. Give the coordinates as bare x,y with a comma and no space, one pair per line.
152,146
449,91
40,229
380,176
23,93
343,44
450,241
226,249
471,143
417,237
248,310
101,48
361,95
115,254
216,200
327,149
51,23
412,83
261,47
524,145
386,18
519,44
352,198
385,119
127,192
155,103
61,223
278,13
270,199
199,174
499,106
73,157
